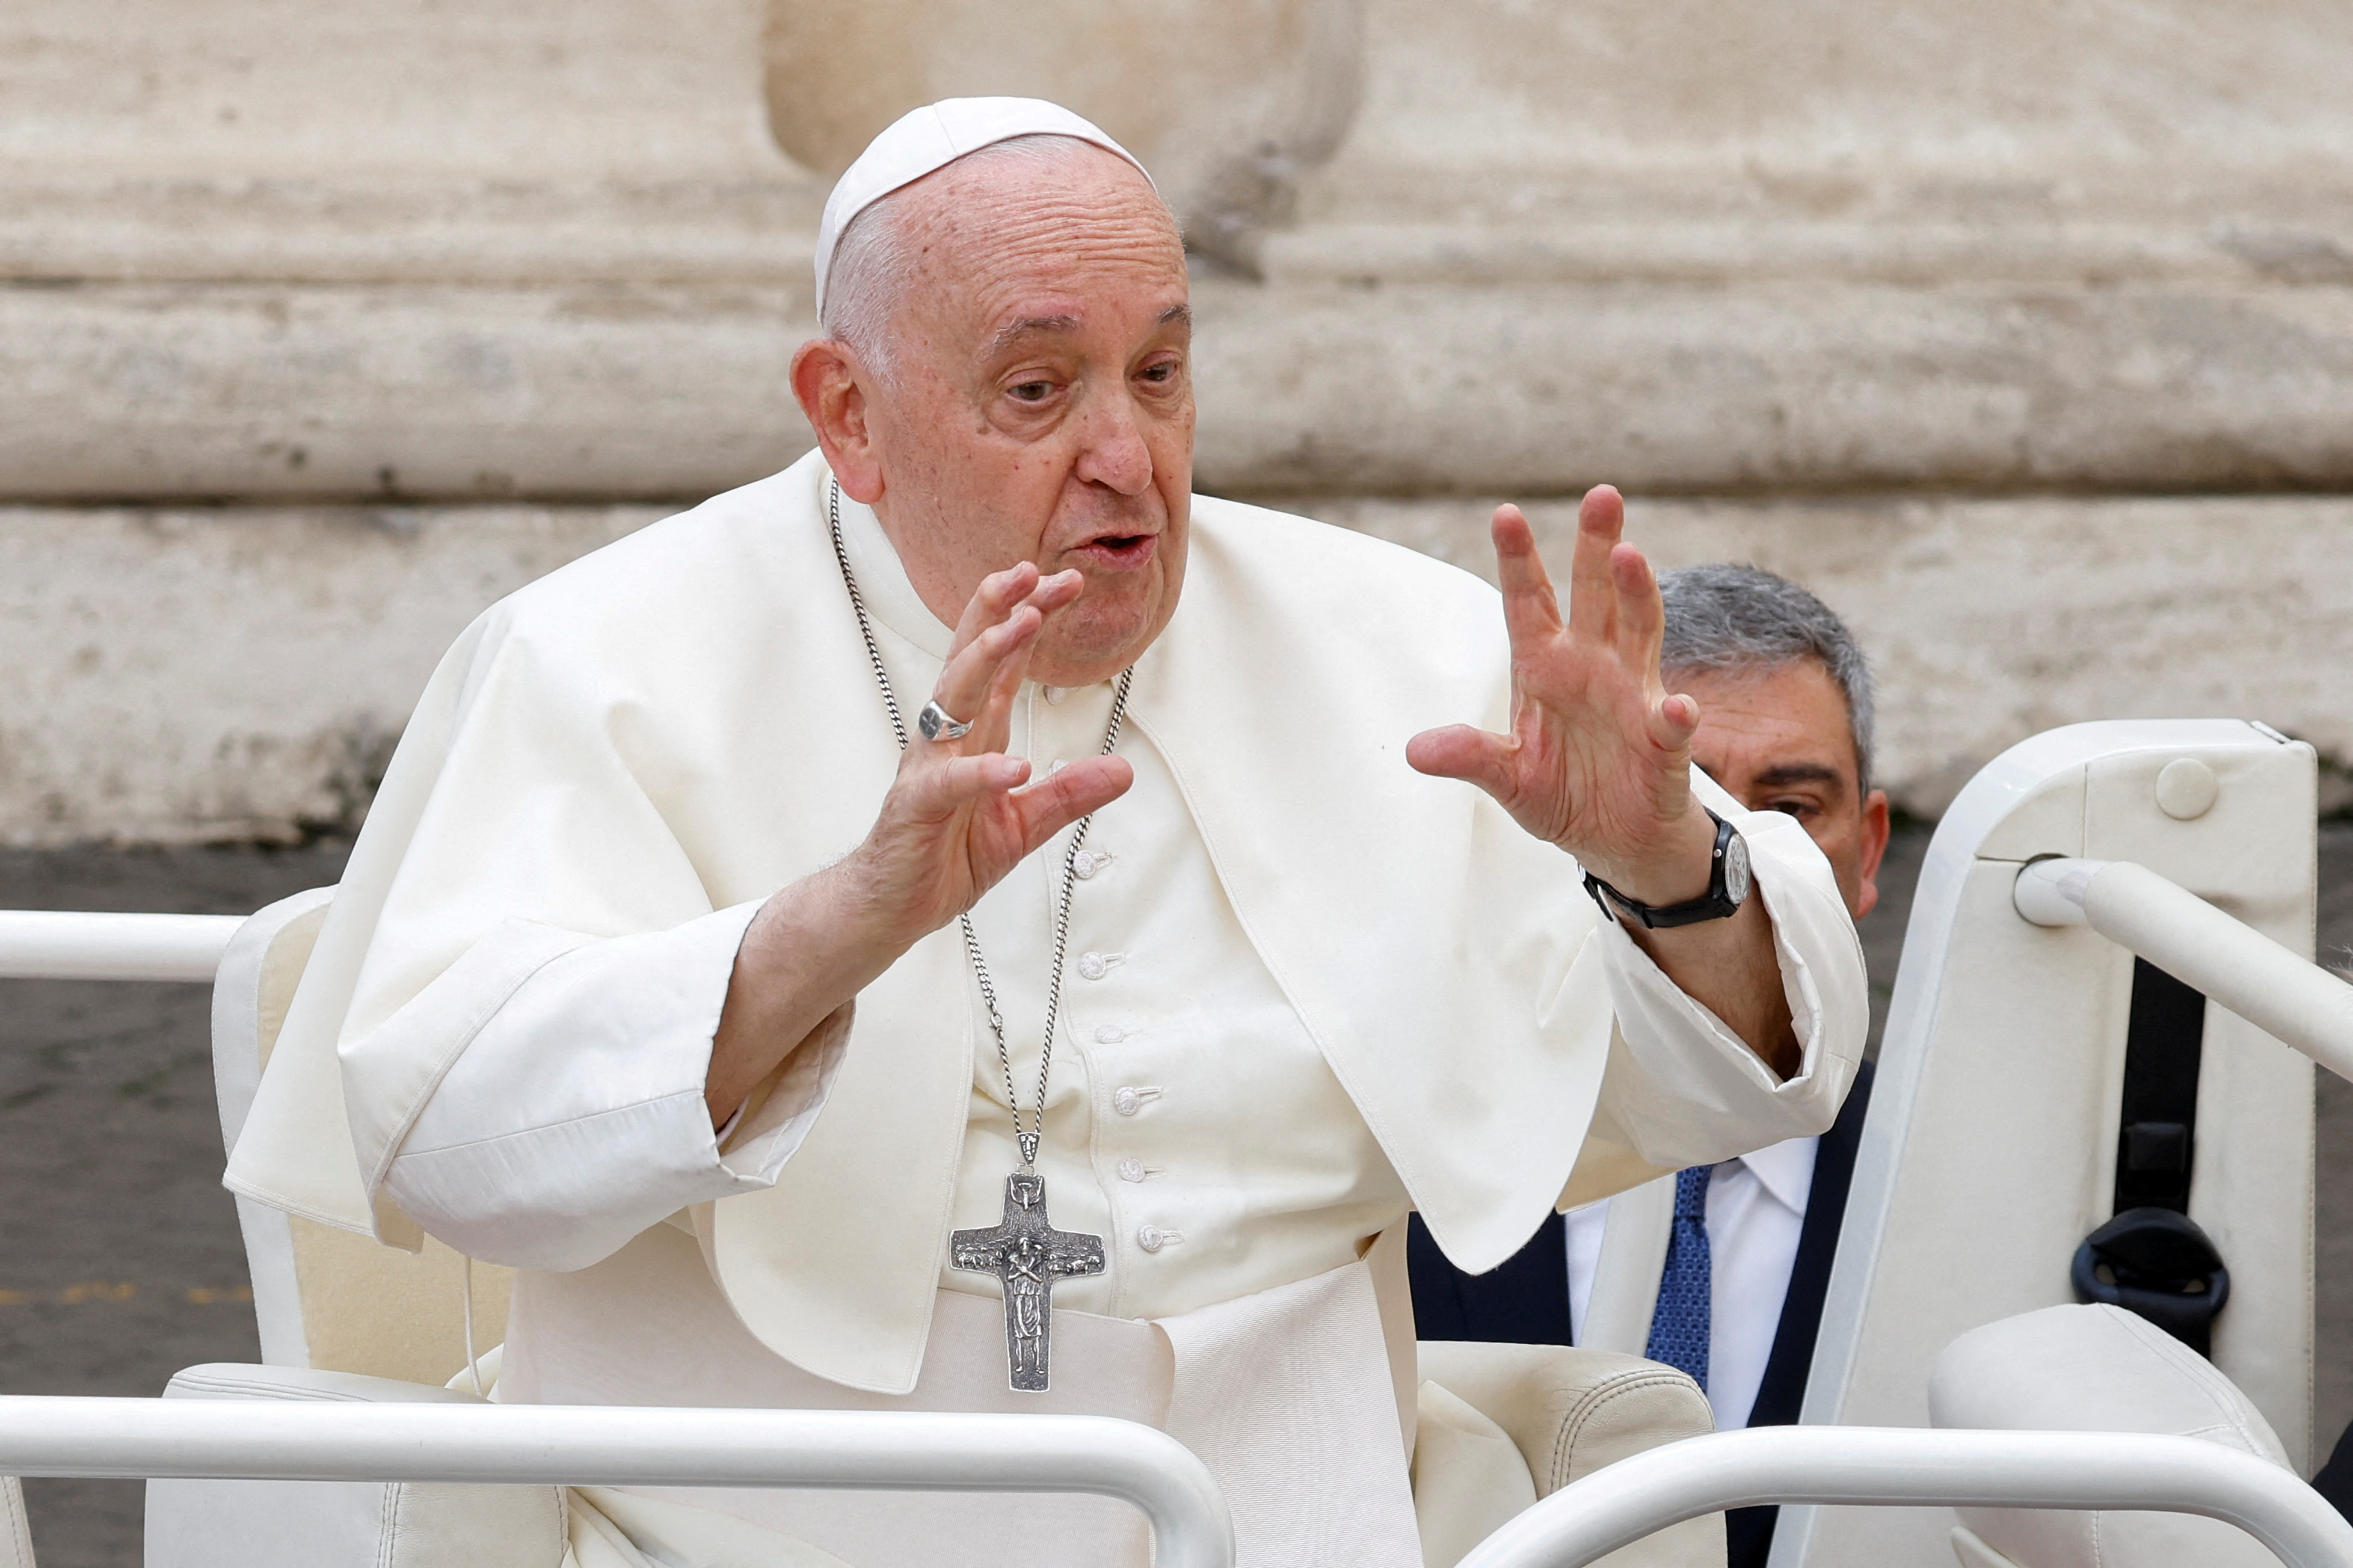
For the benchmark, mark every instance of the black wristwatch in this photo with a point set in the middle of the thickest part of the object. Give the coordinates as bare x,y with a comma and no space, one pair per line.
1728,887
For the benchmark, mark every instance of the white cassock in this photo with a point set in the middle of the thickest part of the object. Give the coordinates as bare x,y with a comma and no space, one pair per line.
1309,989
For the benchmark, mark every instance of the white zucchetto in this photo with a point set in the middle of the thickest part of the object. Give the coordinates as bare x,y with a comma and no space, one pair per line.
931,138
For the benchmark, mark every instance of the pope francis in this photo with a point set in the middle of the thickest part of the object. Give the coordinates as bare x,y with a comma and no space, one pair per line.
967,923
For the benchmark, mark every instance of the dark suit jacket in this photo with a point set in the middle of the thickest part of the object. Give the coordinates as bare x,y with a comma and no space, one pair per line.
1525,1301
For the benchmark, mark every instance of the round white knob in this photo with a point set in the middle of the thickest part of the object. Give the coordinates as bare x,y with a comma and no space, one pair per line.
1084,864
1108,1034
1150,1238
1126,1102
1130,1170
2186,789
1091,966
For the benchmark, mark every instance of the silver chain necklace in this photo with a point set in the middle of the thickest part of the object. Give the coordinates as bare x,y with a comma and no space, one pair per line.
1024,1252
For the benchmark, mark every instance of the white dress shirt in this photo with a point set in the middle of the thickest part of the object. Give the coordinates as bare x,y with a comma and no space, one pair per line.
1756,1213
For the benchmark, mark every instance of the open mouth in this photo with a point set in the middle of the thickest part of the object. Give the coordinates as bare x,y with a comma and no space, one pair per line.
1118,551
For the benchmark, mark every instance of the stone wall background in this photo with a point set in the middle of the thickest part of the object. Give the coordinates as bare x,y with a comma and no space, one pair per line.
2023,331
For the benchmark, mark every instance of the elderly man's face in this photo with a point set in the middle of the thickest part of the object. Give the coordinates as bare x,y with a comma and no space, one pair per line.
1778,739
1038,402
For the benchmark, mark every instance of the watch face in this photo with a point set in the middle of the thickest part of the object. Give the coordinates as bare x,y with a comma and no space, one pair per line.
1735,870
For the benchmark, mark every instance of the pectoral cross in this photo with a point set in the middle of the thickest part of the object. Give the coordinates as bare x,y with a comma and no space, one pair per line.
1027,1253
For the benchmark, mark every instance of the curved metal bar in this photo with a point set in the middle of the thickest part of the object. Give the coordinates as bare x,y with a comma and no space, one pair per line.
613,1446
2277,991
56,944
1909,1468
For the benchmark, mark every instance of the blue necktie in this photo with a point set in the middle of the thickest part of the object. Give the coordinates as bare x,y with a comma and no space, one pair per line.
1679,1328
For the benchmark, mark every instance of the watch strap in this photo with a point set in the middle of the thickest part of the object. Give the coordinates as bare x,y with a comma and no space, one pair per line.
1713,905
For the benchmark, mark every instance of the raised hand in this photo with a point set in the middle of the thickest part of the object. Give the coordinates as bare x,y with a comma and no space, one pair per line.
957,819
1598,757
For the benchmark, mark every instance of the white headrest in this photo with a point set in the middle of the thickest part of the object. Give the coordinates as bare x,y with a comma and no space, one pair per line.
931,138
2098,1369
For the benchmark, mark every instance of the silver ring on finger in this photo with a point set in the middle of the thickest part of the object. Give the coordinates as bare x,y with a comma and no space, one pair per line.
935,724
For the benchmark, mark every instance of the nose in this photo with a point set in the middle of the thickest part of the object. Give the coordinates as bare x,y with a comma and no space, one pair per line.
1113,452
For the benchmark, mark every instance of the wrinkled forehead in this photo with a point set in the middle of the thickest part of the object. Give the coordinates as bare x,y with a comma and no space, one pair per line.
1007,247
1028,193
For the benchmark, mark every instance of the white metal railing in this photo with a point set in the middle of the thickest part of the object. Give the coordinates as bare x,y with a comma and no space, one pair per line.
608,1445
2277,991
49,944
1891,1466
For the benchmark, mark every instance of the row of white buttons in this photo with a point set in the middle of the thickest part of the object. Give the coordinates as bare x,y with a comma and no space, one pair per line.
1127,1099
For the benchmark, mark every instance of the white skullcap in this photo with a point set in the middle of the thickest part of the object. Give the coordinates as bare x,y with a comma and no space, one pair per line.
928,138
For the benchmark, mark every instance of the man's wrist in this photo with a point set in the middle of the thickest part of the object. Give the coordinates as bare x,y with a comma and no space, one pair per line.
1677,873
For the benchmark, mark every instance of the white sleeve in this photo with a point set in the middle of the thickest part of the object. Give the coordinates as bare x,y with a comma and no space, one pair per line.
1682,1088
569,1111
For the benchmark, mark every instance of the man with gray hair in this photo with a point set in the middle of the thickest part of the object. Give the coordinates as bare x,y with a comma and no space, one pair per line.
1723,1266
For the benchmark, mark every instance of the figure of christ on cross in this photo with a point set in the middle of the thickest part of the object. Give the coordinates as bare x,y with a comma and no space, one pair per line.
1027,1253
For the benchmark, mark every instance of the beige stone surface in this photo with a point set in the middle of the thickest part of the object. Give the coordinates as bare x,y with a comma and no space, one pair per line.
604,391
218,674
179,675
560,251
594,390
484,272
254,88
1785,386
1230,103
1989,621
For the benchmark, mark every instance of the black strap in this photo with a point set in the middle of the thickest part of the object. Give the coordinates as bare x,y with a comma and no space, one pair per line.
2157,1143
2152,1258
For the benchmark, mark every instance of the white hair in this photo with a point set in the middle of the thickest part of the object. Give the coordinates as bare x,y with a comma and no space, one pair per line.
874,265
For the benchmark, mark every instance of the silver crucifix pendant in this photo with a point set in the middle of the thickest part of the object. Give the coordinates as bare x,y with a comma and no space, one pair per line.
1027,1253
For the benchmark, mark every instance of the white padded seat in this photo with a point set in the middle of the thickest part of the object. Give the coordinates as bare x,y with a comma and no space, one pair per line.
16,1533
307,1524
1567,1413
2094,1369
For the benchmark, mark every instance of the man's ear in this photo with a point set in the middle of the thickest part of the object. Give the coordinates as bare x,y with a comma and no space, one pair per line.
830,387
1874,850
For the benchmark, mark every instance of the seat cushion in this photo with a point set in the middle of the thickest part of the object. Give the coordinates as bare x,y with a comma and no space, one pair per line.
342,1524
2097,1369
1571,1412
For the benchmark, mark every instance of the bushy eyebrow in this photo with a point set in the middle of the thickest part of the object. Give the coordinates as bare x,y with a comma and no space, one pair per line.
1033,326
1799,773
1030,326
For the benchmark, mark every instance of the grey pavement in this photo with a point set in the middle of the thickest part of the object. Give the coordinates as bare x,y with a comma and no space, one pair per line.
120,1261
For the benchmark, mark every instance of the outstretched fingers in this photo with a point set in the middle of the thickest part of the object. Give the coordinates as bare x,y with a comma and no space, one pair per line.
1531,609
1641,615
1467,753
1592,586
977,685
935,794
1674,722
1068,793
